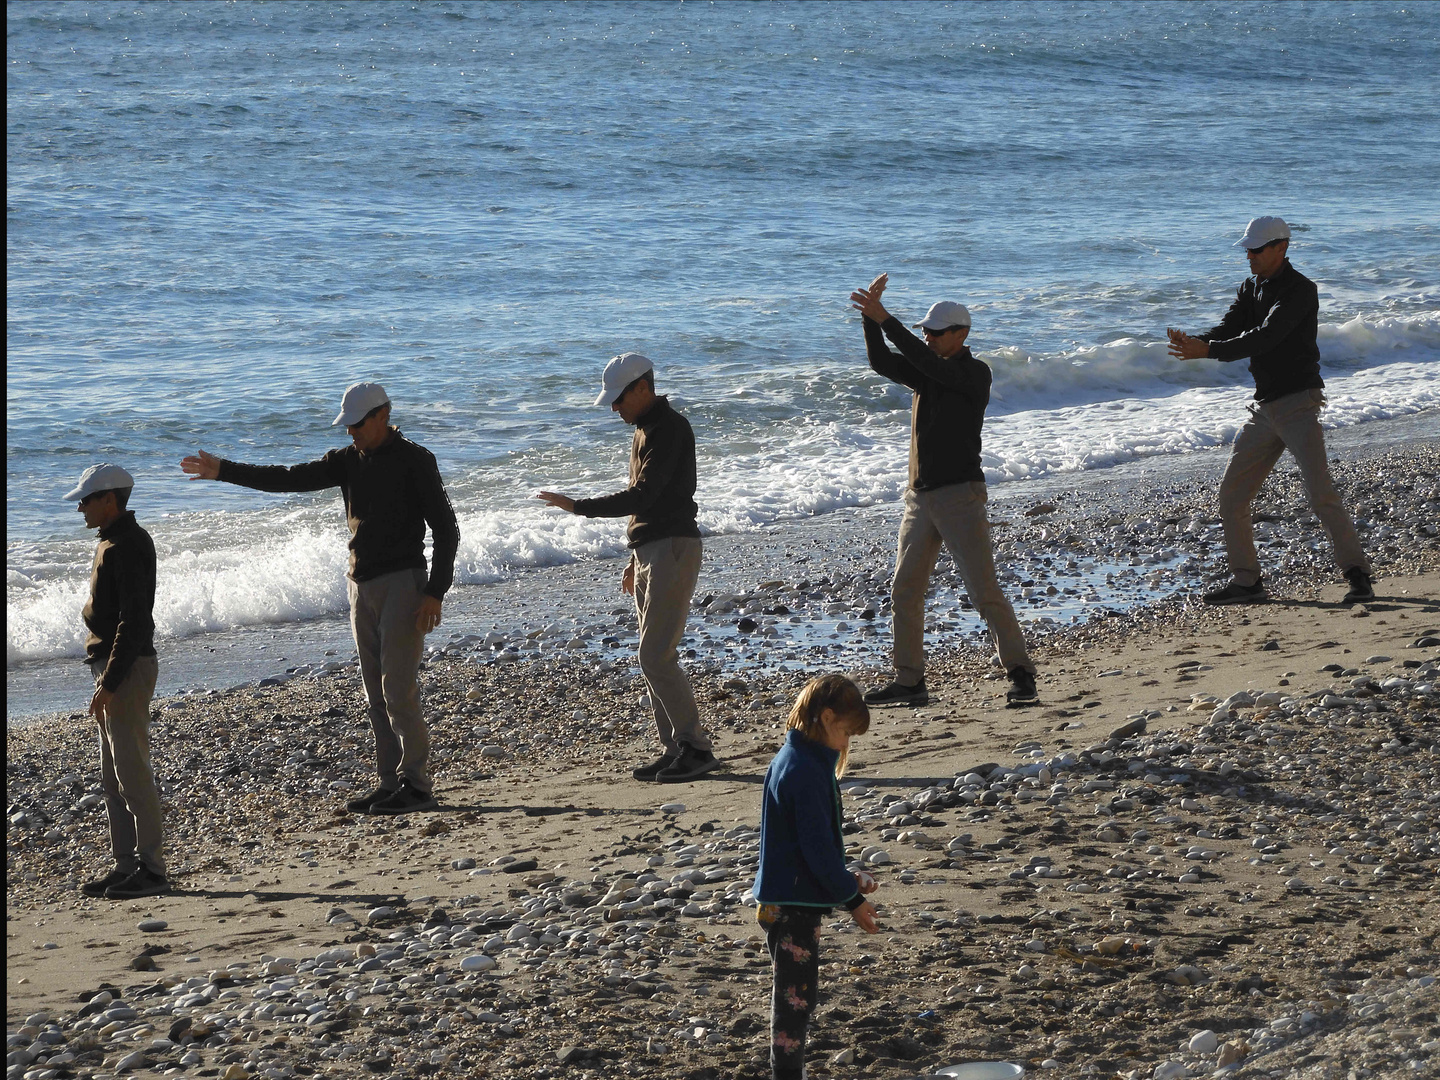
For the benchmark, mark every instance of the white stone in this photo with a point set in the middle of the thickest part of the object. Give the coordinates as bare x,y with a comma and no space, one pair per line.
1204,1042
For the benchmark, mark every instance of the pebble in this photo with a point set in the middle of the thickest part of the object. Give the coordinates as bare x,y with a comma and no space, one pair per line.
1203,1042
151,926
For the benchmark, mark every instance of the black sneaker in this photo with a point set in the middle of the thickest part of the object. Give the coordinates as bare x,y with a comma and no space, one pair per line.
1361,586
363,804
99,885
143,882
687,765
1022,685
405,800
649,771
898,694
1235,593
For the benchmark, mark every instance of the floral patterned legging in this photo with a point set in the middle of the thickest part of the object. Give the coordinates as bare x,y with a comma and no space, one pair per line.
791,937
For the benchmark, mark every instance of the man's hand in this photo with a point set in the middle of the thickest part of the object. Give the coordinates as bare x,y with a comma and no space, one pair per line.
1185,347
627,579
564,502
867,301
202,466
864,917
427,618
100,704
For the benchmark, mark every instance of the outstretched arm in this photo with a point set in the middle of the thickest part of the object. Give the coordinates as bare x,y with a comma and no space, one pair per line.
1184,347
311,476
202,466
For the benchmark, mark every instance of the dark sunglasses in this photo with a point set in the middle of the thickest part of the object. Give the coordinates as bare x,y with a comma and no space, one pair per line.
365,419
1263,247
88,499
929,332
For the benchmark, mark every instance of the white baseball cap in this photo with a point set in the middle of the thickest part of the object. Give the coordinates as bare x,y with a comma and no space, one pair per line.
620,373
100,478
359,399
945,314
1262,231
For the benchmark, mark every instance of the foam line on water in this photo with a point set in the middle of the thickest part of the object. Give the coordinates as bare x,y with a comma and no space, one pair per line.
294,567
1128,368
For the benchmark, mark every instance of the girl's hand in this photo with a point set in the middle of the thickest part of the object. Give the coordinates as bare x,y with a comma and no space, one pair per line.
864,916
866,882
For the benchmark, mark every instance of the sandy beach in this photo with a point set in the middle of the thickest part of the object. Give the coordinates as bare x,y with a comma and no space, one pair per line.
1213,843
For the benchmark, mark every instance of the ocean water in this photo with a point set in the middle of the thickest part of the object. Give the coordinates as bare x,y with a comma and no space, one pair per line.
220,215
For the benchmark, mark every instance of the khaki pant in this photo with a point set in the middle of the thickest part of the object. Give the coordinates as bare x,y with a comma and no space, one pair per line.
954,515
665,575
131,800
1288,423
382,616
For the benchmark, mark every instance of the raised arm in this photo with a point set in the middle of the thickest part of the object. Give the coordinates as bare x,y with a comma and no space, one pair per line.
873,312
884,362
966,377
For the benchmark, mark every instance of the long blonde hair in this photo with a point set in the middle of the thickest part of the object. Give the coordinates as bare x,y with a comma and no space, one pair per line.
841,696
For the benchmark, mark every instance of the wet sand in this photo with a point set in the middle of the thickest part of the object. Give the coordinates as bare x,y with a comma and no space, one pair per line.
1216,821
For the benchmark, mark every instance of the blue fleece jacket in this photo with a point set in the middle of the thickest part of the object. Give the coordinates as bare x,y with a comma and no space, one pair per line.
802,851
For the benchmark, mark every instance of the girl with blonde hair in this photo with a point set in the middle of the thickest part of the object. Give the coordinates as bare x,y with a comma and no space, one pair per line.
802,873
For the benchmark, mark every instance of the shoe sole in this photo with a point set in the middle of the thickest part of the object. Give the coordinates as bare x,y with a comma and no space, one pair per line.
708,767
1263,598
137,895
392,811
923,699
359,807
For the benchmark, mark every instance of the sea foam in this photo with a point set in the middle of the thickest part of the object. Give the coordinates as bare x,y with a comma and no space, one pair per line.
296,569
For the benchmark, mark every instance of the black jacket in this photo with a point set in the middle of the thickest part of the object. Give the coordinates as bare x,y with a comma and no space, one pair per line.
391,493
1274,322
660,500
120,617
948,409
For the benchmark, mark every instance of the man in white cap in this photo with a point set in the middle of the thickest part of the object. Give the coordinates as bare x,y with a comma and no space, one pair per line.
946,496
392,489
664,561
120,649
1274,321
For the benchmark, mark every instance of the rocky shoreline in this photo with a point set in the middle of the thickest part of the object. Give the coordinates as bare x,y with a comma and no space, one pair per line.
1213,846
